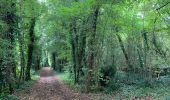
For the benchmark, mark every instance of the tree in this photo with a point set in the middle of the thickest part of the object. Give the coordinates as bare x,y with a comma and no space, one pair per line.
30,49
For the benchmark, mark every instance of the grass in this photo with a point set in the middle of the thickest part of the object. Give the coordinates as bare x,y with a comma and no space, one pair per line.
34,75
68,80
64,76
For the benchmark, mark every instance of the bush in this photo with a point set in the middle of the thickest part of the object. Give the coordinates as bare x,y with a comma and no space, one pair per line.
8,97
107,75
112,85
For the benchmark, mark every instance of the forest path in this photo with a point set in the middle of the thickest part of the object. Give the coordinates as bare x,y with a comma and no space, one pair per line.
49,87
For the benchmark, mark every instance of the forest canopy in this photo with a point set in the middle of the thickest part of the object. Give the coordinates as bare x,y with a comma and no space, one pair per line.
99,43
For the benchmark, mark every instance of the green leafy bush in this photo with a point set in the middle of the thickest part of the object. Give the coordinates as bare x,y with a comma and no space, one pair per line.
107,76
112,86
8,97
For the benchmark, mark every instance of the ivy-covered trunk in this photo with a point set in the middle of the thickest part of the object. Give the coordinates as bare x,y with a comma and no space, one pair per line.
22,55
73,40
81,51
91,48
30,49
9,56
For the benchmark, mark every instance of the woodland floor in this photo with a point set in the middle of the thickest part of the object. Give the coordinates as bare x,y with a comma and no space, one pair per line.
49,87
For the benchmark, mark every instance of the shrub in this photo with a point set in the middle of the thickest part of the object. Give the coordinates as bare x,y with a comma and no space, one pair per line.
107,75
8,97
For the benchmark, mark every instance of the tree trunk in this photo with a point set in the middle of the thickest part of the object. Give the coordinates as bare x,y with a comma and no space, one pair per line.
10,19
38,62
30,49
54,60
140,58
21,50
22,58
91,46
124,52
81,51
73,35
46,60
156,45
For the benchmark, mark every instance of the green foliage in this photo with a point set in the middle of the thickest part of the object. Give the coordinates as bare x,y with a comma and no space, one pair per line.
132,20
85,34
160,90
107,78
25,86
8,97
112,86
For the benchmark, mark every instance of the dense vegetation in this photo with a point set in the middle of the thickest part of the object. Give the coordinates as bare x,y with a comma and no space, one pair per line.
100,43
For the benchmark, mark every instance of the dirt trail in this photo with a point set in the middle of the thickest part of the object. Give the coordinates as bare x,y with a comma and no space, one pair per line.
49,87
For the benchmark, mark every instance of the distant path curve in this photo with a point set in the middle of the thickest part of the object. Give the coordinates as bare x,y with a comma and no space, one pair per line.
49,87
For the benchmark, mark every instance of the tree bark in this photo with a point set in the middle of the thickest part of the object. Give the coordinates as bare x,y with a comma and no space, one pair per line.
30,49
22,58
74,40
38,62
81,51
54,60
124,52
91,46
10,19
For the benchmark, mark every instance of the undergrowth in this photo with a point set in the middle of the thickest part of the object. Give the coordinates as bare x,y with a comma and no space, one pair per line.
68,80
27,84
158,90
8,97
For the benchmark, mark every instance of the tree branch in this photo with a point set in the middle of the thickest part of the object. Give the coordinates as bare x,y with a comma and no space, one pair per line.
163,6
